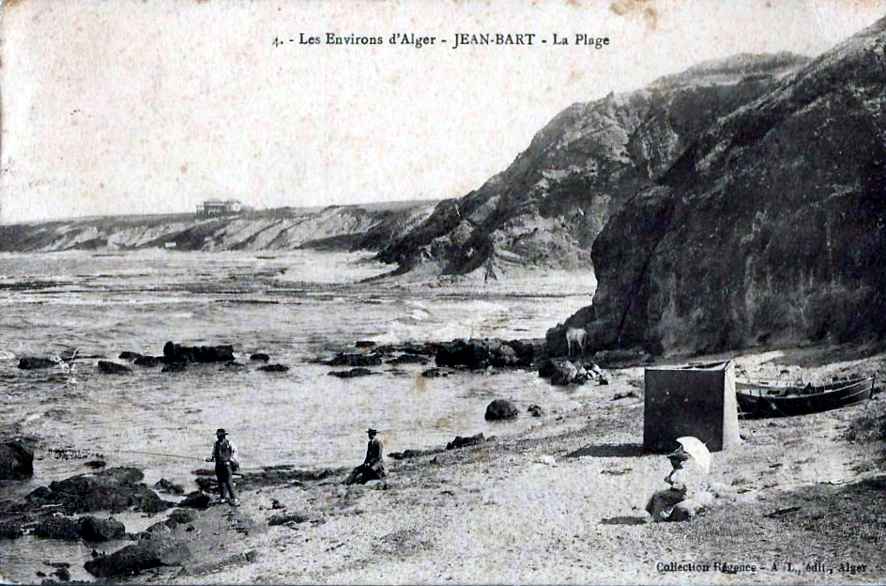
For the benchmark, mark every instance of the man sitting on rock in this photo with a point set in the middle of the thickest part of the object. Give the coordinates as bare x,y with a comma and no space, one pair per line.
224,454
373,466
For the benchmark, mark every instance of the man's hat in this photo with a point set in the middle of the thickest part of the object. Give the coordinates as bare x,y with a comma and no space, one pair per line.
220,431
372,431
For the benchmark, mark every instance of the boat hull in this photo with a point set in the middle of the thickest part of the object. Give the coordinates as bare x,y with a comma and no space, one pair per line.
761,400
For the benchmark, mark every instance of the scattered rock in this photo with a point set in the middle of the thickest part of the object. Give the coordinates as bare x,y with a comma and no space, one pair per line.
180,517
16,461
260,357
95,464
196,500
364,344
57,527
434,373
132,559
173,352
11,530
562,372
34,363
97,530
233,366
355,359
287,519
127,355
108,367
151,503
273,368
477,354
148,361
627,395
63,574
462,442
170,487
353,373
535,410
501,409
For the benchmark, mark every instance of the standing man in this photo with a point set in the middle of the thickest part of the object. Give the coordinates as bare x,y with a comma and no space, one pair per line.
224,454
373,466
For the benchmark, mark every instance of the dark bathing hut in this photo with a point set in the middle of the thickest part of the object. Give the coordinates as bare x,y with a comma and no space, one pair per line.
697,400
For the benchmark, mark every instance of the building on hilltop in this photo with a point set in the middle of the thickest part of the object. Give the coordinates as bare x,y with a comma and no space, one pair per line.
217,207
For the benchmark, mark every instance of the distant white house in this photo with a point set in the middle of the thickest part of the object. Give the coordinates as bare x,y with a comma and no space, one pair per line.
218,207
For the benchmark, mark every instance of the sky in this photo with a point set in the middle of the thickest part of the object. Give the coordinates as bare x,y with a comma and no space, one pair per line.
152,106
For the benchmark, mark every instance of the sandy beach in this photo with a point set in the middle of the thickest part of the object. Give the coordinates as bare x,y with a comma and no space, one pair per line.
798,502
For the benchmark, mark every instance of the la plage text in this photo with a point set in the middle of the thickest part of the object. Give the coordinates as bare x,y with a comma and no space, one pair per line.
455,41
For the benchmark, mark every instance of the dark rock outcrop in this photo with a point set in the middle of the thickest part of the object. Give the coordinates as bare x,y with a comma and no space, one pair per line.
107,367
57,527
148,361
463,442
10,530
113,489
173,352
35,363
132,559
98,530
127,355
175,367
475,354
768,229
196,500
16,461
501,409
260,357
364,344
434,373
169,486
409,359
562,372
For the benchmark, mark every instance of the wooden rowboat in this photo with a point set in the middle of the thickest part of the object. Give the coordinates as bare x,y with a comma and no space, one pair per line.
774,400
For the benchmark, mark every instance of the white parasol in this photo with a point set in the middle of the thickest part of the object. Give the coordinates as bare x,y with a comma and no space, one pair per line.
698,450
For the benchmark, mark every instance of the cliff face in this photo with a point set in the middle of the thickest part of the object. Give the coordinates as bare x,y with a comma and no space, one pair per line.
335,227
548,207
771,227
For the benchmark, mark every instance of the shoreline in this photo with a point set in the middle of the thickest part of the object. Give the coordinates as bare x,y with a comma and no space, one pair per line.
562,502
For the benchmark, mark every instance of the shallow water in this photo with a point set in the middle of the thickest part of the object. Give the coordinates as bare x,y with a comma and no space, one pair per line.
295,307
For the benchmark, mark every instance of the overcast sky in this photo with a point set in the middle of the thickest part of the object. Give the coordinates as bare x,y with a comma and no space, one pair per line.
152,106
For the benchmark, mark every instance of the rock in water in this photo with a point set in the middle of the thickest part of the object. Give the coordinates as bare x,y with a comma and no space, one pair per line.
127,355
34,363
501,409
463,442
273,368
149,361
56,527
107,367
113,489
16,461
260,357
355,359
353,373
173,352
132,559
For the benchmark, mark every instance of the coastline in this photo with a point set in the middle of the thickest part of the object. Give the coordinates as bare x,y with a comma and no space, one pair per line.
563,502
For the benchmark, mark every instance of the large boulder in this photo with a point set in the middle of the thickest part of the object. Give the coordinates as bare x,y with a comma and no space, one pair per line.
149,361
173,352
56,527
562,372
501,409
108,367
34,363
196,500
113,489
16,461
160,551
480,353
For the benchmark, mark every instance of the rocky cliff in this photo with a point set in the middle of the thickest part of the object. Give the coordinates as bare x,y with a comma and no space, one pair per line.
769,228
549,205
334,227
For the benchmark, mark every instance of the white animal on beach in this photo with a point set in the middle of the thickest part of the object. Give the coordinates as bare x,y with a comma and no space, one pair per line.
576,336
